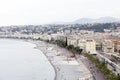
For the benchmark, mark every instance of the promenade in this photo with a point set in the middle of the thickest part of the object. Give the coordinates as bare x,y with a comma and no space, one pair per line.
66,68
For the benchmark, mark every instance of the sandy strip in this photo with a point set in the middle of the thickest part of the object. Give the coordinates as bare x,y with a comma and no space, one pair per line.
65,68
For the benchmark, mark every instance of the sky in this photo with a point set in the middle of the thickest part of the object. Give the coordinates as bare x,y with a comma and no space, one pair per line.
23,12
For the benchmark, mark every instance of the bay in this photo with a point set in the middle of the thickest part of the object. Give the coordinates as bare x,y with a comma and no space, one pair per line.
20,61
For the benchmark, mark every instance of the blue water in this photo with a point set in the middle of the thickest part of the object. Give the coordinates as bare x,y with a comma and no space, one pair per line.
20,61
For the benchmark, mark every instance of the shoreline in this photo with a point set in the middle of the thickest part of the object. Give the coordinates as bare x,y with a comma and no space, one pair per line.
64,69
37,47
80,61
49,61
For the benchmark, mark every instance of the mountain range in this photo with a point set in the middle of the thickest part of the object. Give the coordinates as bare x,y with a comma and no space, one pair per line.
90,20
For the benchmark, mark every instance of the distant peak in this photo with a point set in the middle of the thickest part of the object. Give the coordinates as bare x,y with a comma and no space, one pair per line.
106,19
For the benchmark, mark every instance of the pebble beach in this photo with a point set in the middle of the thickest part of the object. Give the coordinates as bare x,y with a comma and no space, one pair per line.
66,68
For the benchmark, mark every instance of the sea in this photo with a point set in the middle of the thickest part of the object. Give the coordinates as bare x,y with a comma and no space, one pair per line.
19,60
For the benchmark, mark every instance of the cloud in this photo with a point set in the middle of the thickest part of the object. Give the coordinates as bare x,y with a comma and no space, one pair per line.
46,11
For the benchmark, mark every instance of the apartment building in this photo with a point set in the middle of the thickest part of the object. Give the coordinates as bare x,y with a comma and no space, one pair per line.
116,46
72,41
107,46
90,46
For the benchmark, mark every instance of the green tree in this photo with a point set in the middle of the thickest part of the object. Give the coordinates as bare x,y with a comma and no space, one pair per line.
78,50
70,47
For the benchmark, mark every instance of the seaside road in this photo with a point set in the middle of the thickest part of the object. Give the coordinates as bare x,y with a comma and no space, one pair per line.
81,59
94,70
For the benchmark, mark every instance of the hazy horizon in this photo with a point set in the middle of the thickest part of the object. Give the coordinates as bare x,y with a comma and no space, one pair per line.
23,12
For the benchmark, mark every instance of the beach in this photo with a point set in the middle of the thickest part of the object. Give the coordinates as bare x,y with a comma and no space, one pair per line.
66,68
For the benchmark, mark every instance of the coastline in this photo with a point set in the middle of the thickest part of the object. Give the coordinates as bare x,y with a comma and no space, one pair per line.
65,68
37,47
44,53
80,61
25,62
49,62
